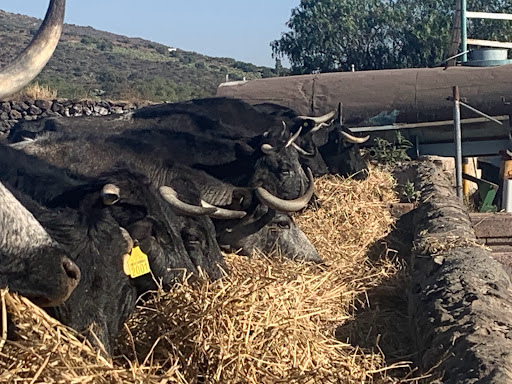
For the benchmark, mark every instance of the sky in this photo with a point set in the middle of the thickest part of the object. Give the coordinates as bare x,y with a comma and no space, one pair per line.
240,29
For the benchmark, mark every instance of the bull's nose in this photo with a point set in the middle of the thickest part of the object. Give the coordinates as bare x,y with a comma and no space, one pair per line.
71,270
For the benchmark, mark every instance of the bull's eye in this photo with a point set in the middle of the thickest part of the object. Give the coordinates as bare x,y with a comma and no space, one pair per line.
283,224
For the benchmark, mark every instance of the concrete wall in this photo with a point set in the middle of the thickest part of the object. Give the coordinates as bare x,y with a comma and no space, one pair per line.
460,298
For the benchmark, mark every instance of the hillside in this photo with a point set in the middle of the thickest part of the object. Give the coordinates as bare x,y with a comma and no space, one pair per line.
89,63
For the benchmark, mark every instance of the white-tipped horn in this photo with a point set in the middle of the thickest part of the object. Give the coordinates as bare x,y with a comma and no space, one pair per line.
319,119
292,139
320,126
171,196
223,213
267,149
303,152
33,59
279,204
352,139
22,232
110,194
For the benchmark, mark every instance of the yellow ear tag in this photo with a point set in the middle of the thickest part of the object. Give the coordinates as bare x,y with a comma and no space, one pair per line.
136,264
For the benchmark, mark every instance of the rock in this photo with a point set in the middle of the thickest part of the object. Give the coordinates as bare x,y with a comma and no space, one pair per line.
102,111
76,110
43,104
128,106
5,107
57,107
104,104
34,110
4,126
19,106
48,112
15,115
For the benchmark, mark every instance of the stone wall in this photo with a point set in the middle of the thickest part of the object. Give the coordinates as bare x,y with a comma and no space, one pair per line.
460,298
13,111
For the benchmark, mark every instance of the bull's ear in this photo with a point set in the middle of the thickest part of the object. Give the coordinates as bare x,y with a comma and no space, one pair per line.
110,194
127,238
242,198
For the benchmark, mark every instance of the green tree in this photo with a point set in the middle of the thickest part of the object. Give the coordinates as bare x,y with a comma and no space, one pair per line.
425,31
279,69
331,35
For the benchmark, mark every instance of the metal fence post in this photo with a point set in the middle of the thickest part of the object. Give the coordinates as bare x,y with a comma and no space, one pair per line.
457,140
463,30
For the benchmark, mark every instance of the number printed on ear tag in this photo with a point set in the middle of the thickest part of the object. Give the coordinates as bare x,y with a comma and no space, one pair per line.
136,264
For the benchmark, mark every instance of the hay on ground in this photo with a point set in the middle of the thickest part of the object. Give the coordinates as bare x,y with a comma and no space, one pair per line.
269,321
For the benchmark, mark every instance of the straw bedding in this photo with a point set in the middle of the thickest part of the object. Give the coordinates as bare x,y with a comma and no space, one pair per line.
269,320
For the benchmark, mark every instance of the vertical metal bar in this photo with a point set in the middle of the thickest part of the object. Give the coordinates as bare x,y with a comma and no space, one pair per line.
457,140
463,30
506,198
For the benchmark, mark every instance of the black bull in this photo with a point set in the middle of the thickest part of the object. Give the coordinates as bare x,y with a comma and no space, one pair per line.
323,145
31,262
90,155
28,256
89,222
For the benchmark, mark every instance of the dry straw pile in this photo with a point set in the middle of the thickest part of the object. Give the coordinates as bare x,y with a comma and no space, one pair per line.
35,91
269,321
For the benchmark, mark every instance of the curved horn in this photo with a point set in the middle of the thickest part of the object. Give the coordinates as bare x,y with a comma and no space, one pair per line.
267,149
110,194
171,196
319,119
287,205
320,126
222,213
292,139
354,139
33,59
303,152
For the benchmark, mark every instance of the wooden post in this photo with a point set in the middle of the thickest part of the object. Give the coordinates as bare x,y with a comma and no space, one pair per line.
465,183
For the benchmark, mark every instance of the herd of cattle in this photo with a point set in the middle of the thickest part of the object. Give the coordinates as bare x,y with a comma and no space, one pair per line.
175,183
